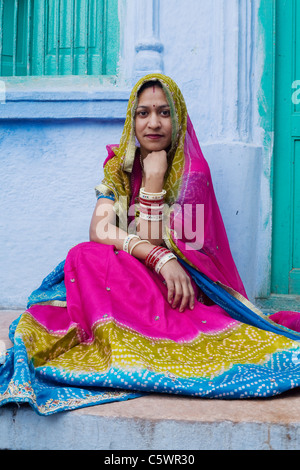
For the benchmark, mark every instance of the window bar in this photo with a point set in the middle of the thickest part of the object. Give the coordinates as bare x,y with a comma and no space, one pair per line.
28,35
86,58
72,36
57,36
15,36
44,20
103,55
1,33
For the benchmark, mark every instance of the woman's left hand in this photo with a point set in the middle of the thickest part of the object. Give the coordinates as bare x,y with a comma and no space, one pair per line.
180,289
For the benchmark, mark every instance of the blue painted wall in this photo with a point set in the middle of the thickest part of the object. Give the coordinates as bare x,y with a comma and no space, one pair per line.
53,134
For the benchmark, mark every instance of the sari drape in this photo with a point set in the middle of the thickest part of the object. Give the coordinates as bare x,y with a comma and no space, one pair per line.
100,328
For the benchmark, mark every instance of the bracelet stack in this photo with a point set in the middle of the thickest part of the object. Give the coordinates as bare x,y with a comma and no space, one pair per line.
151,205
151,208
158,257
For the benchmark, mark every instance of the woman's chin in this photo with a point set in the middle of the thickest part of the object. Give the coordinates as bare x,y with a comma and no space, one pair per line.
154,148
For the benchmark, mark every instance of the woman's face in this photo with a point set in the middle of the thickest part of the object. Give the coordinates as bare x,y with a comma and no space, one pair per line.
153,126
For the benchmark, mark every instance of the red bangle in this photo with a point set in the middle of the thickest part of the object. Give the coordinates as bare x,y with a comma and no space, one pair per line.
155,255
151,203
150,256
158,256
151,210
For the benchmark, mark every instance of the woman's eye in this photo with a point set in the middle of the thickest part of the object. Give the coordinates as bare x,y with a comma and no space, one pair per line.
166,113
142,113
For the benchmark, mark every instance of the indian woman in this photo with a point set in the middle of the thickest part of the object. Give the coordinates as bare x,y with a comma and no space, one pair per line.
153,302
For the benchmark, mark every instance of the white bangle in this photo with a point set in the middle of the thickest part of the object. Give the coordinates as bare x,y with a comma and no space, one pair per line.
152,217
152,196
137,243
127,241
160,193
163,261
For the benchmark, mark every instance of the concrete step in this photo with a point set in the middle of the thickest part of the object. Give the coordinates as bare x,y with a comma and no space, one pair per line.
155,422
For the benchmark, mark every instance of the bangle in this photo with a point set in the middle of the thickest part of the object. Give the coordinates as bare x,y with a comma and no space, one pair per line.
152,217
127,241
152,206
163,191
152,210
155,255
150,202
163,261
151,256
152,196
137,243
159,255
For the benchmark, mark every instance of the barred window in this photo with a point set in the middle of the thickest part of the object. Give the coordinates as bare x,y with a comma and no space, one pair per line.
58,37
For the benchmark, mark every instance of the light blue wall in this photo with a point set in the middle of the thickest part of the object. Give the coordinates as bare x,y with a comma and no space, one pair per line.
48,172
53,134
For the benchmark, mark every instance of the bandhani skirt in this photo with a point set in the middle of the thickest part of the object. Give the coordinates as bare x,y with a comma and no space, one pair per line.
100,329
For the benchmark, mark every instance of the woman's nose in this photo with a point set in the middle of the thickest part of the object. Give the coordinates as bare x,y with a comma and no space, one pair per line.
154,121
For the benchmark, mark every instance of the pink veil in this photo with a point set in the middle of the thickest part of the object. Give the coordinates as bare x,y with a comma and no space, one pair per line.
214,258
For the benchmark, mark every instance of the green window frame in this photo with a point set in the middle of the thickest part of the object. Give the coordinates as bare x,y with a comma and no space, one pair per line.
58,37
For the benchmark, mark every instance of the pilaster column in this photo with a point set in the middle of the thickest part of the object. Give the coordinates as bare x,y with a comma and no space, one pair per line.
148,47
233,80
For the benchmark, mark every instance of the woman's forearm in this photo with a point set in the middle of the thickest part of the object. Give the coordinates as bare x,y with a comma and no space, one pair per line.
115,236
107,233
103,227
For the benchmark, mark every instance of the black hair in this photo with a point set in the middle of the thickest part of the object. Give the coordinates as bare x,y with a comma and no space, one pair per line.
149,84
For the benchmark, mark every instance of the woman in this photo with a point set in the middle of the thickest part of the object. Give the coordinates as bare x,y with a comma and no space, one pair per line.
153,130
153,302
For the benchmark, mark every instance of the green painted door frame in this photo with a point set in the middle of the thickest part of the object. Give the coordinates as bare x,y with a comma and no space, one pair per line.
285,277
279,289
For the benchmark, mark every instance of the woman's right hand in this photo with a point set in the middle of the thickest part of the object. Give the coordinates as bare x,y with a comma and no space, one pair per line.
180,289
155,164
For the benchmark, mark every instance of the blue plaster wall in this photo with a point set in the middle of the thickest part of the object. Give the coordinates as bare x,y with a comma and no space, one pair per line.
53,136
48,172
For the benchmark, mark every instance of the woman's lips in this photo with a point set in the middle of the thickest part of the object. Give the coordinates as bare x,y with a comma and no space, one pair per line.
154,136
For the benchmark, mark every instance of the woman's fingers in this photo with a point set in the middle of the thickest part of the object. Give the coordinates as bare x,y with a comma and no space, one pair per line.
180,290
178,294
181,294
187,299
171,290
